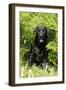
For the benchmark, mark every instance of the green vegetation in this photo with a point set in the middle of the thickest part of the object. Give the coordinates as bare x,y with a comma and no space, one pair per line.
28,22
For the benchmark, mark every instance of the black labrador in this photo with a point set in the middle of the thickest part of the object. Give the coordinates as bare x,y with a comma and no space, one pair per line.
38,53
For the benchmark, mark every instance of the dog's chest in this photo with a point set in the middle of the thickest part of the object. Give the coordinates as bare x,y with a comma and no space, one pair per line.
38,55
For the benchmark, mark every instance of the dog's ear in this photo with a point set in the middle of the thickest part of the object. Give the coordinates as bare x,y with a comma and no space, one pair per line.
36,28
46,31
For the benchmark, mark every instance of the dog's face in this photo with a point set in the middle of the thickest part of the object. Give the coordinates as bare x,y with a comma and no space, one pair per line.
41,34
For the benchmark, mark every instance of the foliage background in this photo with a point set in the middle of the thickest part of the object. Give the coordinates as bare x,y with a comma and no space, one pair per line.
28,22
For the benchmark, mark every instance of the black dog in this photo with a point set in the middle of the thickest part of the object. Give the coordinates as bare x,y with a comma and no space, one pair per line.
38,53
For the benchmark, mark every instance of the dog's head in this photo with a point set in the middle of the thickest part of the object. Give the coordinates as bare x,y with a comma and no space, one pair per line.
41,34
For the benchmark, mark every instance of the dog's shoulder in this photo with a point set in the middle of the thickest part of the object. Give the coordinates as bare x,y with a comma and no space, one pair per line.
35,49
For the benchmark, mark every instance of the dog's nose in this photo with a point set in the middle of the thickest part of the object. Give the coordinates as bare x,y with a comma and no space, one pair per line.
40,37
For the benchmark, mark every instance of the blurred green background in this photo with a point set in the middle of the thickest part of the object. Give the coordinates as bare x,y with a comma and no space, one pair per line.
28,22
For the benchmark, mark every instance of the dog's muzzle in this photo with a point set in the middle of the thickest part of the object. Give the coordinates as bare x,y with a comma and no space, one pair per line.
41,40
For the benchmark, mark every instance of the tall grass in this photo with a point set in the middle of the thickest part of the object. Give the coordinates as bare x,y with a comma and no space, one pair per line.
37,72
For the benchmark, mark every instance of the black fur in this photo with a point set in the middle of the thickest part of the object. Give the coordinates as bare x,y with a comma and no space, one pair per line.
38,53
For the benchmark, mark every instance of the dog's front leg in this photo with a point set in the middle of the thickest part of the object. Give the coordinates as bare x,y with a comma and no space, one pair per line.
44,65
46,59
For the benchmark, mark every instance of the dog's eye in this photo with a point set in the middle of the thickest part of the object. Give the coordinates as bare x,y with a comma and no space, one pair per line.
43,30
